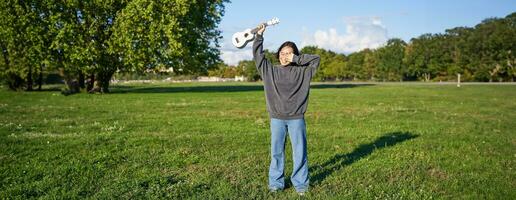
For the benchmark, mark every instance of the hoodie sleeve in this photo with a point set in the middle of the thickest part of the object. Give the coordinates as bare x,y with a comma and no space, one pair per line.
259,55
309,60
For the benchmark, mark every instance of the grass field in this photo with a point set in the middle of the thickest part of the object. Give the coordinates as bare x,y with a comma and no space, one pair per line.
211,141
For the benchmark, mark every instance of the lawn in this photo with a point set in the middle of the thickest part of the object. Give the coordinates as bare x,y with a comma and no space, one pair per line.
211,141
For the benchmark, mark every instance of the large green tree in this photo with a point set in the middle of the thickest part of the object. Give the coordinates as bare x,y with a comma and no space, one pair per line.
94,39
390,60
420,57
331,66
174,33
249,70
23,42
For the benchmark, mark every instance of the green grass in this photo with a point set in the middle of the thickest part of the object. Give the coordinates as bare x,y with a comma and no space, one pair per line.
211,141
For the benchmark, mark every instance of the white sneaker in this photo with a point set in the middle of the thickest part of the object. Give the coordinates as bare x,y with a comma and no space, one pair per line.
274,189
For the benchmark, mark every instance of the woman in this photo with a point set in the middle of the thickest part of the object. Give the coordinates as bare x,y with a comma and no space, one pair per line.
287,88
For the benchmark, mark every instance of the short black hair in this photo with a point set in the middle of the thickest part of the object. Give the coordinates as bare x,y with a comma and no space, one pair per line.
288,44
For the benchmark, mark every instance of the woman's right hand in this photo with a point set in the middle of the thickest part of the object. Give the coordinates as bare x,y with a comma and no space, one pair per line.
261,29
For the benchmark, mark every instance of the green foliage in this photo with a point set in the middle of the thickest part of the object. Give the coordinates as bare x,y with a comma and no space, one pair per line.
97,38
331,66
225,71
22,42
483,53
390,57
249,70
420,57
176,33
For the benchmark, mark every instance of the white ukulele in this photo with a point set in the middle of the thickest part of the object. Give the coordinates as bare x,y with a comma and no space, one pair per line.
240,39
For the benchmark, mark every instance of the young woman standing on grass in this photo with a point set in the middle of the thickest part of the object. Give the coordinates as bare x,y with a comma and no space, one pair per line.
287,88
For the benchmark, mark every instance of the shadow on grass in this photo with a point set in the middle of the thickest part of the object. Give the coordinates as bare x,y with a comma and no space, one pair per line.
322,171
214,88
49,89
45,88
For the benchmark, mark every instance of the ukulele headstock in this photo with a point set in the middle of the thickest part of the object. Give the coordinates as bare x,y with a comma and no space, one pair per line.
273,21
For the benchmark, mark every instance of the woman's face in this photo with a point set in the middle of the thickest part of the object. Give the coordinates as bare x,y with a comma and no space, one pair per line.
285,53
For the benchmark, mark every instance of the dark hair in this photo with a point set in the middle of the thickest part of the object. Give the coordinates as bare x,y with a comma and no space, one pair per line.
288,44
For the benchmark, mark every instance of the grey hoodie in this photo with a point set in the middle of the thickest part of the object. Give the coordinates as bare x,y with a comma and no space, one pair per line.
286,87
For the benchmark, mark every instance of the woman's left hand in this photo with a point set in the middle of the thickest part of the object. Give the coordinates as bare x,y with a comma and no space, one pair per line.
289,58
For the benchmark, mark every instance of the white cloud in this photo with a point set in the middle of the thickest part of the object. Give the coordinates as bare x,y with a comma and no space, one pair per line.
361,33
232,55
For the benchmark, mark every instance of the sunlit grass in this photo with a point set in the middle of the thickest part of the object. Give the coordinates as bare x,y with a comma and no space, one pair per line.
211,140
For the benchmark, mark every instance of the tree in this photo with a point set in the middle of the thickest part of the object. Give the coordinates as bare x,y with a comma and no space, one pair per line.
459,48
496,39
176,33
390,60
335,68
331,66
249,70
81,34
370,69
418,57
224,71
23,43
355,64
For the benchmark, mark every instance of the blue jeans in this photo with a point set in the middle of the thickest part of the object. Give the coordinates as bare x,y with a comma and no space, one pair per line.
296,129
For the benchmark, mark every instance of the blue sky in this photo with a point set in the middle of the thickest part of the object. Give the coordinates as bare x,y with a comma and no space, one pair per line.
350,25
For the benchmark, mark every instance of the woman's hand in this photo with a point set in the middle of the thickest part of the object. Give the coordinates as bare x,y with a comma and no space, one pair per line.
286,58
261,30
289,57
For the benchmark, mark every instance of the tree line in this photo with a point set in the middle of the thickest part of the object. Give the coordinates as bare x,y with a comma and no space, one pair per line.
485,52
86,42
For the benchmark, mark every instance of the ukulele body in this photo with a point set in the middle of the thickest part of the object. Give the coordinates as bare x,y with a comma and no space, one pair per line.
240,39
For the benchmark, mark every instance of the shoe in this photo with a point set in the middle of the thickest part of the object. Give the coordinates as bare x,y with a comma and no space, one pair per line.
301,193
274,189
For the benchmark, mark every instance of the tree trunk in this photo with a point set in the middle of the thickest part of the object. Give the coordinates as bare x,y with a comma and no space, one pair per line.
90,83
81,80
102,82
14,81
29,79
72,85
427,77
40,77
